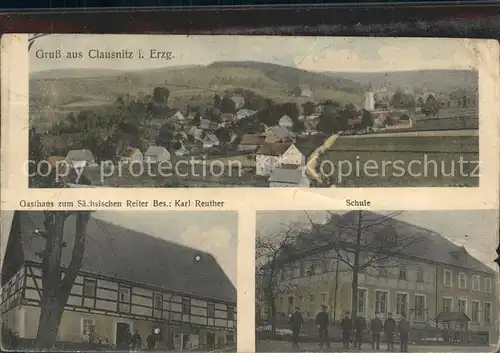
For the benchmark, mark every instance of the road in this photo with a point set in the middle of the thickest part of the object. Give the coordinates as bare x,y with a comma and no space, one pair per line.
284,346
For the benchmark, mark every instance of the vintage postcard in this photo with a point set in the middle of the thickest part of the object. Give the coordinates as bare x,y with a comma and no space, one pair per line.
424,281
119,280
254,111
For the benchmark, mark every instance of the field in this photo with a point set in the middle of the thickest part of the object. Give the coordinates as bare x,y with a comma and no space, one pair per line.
399,160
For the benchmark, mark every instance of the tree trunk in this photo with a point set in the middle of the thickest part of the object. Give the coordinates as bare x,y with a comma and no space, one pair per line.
48,324
355,270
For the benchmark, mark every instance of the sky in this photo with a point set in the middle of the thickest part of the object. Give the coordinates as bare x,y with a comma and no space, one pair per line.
212,232
348,54
480,226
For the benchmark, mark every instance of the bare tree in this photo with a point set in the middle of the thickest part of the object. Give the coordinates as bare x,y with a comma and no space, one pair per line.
271,252
56,281
362,242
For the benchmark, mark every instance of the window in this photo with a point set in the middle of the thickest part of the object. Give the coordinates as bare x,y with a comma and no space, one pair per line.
420,274
401,303
158,301
447,304
381,302
311,300
301,300
325,264
86,324
186,306
230,312
230,338
157,304
312,270
476,283
362,302
475,312
290,304
419,307
462,280
447,278
402,273
302,269
124,299
282,308
462,305
487,312
211,310
89,287
323,298
487,285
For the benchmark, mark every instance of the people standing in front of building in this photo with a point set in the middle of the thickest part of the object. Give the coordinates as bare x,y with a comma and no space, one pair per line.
151,340
136,341
404,331
376,327
359,329
322,322
346,330
296,322
389,330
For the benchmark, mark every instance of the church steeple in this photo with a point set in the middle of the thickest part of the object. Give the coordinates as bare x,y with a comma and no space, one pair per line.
370,88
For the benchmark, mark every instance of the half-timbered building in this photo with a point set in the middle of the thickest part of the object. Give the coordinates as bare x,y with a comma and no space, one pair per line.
129,281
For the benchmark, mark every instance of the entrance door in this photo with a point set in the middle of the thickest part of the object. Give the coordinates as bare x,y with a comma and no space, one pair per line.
210,339
122,334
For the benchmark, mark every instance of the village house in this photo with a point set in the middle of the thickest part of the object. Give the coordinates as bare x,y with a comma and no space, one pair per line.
429,276
210,140
244,113
195,132
270,156
289,175
79,157
278,134
155,154
311,123
286,121
239,101
181,292
251,142
131,155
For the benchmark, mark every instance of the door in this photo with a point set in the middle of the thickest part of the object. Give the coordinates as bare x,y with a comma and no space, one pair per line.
210,339
122,334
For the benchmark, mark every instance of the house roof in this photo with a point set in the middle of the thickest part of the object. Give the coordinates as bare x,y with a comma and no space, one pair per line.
452,316
252,139
286,175
211,138
129,151
227,116
155,150
418,242
279,131
80,155
273,149
128,255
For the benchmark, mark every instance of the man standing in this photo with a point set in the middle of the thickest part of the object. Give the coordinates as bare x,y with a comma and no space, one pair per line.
296,322
376,327
404,330
322,321
359,328
346,330
389,330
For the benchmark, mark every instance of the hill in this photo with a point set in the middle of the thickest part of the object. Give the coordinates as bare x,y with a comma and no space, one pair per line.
58,87
435,80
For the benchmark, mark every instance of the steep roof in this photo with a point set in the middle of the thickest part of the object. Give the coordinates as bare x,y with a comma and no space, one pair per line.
80,155
155,150
274,149
428,245
129,255
287,175
252,139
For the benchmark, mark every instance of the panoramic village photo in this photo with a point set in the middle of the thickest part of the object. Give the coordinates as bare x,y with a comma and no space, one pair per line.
424,281
119,281
231,111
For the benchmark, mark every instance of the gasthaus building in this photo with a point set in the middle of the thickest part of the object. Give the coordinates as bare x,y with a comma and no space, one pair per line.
129,281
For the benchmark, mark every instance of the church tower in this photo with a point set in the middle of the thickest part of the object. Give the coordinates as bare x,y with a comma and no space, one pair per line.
369,99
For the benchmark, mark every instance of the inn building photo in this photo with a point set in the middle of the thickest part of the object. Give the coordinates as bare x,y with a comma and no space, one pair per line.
430,275
119,280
